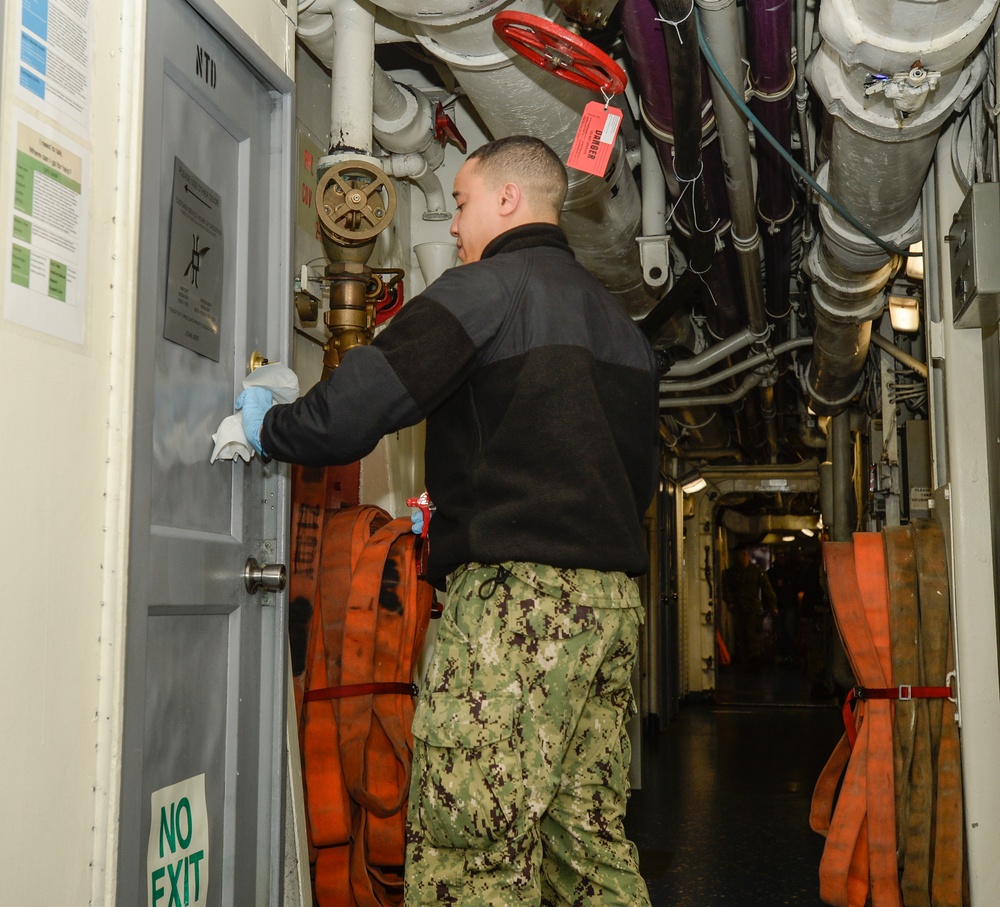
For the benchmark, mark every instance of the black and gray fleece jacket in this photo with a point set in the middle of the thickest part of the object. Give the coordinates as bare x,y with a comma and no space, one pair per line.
540,396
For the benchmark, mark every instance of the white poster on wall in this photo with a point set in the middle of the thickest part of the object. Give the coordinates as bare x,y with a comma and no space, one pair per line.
54,60
45,243
177,857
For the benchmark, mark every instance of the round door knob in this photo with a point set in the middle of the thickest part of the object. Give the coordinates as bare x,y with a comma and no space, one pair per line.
270,577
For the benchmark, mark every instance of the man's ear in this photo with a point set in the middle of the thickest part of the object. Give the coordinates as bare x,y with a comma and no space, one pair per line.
510,199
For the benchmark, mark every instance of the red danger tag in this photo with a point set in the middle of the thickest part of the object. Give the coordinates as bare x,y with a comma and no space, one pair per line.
595,138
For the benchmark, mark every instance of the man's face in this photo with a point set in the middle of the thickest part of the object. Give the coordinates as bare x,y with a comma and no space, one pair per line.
478,219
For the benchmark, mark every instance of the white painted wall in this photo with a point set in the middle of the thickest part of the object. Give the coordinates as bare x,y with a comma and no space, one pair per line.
64,452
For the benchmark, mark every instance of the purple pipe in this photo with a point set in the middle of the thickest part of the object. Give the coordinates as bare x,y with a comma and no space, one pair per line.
769,27
644,40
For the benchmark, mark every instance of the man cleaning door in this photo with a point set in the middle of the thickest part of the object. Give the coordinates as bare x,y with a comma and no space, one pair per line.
540,396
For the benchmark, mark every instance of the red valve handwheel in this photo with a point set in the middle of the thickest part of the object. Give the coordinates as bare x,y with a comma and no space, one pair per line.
561,52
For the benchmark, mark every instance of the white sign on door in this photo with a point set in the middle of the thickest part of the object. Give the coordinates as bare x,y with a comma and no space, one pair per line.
177,859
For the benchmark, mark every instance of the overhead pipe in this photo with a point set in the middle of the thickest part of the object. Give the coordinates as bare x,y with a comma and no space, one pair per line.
900,355
403,123
748,384
803,46
720,24
352,64
881,148
601,217
772,79
653,247
416,168
684,66
711,355
643,34
840,453
742,366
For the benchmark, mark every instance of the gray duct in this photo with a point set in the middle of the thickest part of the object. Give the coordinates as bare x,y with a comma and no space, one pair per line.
880,150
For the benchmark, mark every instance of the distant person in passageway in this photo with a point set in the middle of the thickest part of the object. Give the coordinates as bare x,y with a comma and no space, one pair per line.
747,593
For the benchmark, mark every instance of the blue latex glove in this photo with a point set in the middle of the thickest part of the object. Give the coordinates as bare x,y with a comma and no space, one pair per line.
417,518
252,404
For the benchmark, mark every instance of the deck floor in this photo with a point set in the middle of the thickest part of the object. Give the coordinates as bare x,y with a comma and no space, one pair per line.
722,816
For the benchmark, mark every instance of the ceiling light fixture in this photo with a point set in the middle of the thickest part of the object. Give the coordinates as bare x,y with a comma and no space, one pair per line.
915,261
904,313
693,484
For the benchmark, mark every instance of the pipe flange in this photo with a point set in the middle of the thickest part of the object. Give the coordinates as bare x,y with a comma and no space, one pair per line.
824,406
458,60
852,249
772,96
708,131
864,305
840,88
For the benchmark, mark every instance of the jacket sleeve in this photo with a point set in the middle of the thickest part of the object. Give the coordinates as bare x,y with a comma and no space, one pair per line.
419,360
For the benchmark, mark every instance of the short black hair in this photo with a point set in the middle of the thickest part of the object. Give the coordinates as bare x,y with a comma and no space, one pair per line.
527,161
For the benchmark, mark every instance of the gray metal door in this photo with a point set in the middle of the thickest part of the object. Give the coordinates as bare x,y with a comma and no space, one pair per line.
202,765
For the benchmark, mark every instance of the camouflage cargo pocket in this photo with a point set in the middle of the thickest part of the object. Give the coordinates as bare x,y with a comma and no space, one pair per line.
470,792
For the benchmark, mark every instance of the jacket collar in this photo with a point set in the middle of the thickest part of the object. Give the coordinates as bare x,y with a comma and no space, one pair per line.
527,236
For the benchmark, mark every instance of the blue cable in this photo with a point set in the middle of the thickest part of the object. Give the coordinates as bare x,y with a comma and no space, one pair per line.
794,164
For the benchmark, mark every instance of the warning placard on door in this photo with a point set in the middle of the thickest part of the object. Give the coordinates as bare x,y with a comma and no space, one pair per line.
194,265
177,858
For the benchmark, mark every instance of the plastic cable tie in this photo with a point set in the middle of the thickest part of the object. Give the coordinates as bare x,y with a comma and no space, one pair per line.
676,24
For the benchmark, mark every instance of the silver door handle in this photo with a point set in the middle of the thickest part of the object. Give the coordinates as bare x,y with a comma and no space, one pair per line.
270,577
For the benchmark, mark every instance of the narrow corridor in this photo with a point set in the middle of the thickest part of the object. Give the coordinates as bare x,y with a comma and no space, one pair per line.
722,818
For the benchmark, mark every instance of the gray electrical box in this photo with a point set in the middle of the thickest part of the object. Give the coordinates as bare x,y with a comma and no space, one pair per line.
974,240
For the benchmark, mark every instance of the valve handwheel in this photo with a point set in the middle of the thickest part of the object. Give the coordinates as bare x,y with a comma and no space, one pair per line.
355,201
561,52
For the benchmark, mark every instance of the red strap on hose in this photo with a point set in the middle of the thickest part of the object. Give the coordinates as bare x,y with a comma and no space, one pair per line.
360,689
904,692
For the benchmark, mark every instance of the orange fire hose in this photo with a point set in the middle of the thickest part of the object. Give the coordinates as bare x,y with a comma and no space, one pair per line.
894,831
370,615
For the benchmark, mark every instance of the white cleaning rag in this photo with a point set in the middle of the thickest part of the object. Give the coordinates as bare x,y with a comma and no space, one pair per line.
230,441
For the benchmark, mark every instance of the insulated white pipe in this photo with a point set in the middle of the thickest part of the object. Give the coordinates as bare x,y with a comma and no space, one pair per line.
879,157
654,188
888,37
352,71
415,167
404,119
602,218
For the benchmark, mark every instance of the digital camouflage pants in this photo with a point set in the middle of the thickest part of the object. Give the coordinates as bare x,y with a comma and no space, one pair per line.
520,763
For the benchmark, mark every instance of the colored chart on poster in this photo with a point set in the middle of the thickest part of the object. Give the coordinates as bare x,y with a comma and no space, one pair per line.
46,253
54,60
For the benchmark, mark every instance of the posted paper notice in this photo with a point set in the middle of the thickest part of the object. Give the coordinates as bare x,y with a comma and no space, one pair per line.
54,59
46,254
